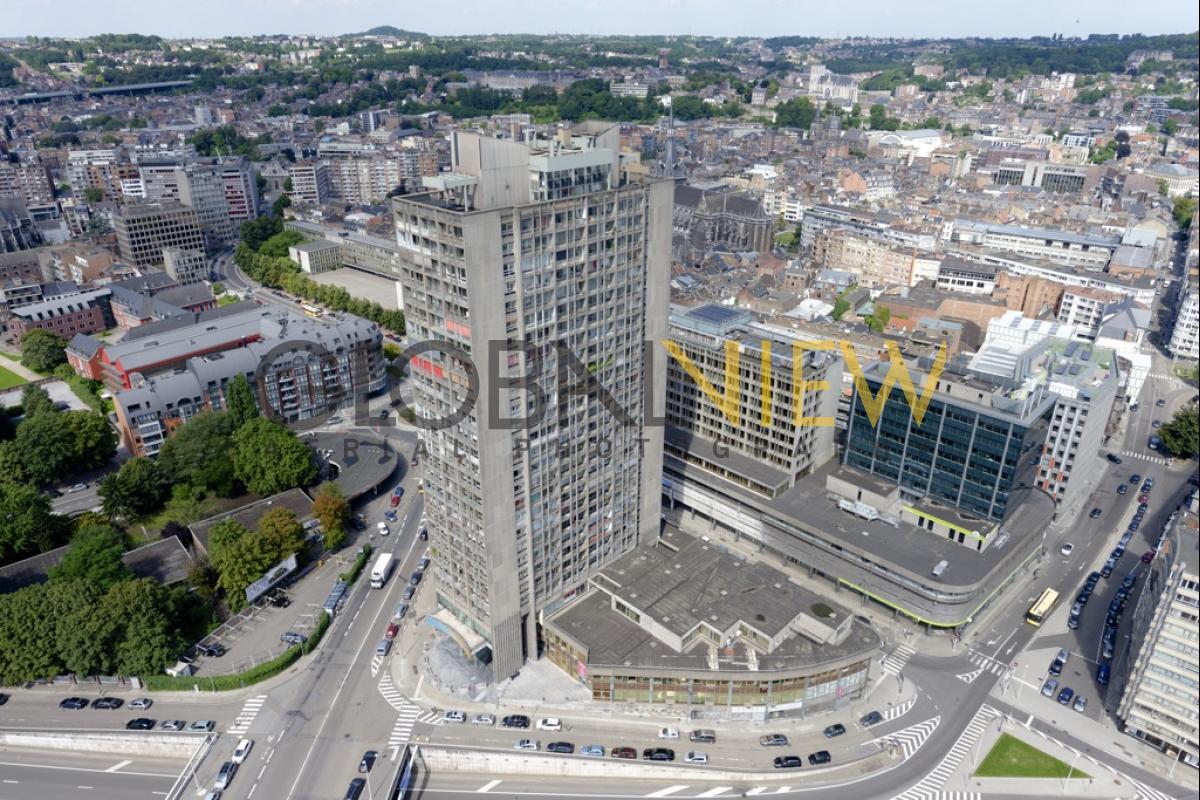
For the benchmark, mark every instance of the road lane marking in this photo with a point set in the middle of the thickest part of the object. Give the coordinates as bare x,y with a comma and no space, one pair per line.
667,791
83,769
715,791
119,765
487,787
84,787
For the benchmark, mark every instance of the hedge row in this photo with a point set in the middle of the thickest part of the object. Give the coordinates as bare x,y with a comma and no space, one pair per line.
225,683
360,563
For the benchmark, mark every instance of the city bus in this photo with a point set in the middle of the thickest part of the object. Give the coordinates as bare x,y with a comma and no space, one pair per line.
1041,607
311,311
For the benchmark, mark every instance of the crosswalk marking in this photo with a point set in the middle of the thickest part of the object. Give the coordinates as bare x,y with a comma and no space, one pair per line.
757,790
1146,793
929,787
716,791
1144,456
894,661
667,791
246,716
910,739
969,677
376,663
895,712
408,713
985,662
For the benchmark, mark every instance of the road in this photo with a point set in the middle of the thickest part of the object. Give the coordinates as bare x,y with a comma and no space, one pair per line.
38,775
72,504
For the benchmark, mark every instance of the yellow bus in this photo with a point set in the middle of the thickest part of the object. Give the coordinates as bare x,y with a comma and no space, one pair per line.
311,310
1041,607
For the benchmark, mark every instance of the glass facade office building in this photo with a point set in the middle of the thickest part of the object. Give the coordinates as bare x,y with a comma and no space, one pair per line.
968,453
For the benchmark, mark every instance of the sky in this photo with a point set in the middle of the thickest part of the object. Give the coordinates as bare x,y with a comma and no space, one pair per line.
904,18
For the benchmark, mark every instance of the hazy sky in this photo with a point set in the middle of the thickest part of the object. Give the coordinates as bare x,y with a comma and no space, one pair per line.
909,18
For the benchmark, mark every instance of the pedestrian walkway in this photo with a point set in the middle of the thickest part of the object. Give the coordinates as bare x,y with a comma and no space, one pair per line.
1143,456
246,716
895,660
895,712
406,717
988,663
376,663
930,787
910,739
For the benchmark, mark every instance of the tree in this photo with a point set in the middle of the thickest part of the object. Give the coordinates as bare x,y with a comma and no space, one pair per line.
137,488
1183,211
34,626
93,441
798,112
178,531
93,194
280,533
199,454
42,350
239,399
45,446
35,400
281,202
95,557
269,459
146,638
1170,126
12,467
26,524
332,510
1181,436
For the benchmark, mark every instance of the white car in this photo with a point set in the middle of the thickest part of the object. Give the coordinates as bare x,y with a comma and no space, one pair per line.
483,719
1067,549
454,718
141,703
549,724
668,733
384,530
527,744
694,757
241,751
79,487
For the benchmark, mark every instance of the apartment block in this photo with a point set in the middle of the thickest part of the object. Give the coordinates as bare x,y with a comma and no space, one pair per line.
66,316
1085,309
1060,247
27,181
519,247
1185,336
310,182
145,230
1160,699
185,266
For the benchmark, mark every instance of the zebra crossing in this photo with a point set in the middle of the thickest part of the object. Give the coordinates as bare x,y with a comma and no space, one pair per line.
1146,793
910,739
929,787
390,693
987,663
406,718
1174,381
895,712
894,661
246,716
1143,456
376,663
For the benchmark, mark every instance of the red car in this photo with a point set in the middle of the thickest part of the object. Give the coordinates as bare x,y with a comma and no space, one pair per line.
624,752
392,631
1147,556
395,501
1145,498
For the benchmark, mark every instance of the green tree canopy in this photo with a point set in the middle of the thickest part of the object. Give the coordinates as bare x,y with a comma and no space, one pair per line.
42,350
35,400
45,446
333,511
268,458
26,524
93,440
1181,435
95,557
798,112
239,399
136,489
199,454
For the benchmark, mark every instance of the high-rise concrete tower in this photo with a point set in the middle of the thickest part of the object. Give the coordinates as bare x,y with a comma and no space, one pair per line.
523,253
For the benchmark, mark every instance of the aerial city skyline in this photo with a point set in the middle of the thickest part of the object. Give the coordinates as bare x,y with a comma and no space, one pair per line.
677,400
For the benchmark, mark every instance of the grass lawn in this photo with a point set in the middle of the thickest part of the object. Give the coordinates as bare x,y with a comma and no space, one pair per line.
9,379
10,356
1012,758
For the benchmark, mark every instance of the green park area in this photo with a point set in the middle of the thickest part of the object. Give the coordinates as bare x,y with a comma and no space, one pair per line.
1012,758
9,379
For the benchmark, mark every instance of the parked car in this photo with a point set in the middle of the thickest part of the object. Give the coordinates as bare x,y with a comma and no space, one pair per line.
393,630
355,789
1114,458
695,757
594,750
1080,704
788,762
668,733
79,487
73,703
483,719
141,703
549,724
382,528
560,747
292,638
527,744
140,724
1066,696
1095,513
108,703
394,501
214,650
623,752
367,762
773,740
454,718
658,754
409,592
1122,489
873,718
3,698
172,725
391,516
242,751
515,721
202,726
1102,673
820,757
1147,556
401,610
1049,688
836,729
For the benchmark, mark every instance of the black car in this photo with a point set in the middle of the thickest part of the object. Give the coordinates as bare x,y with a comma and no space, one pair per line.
367,761
416,578
1093,579
515,721
1135,479
1114,458
354,790
3,698
140,724
560,747
74,703
1122,489
1056,667
658,754
820,757
1159,403
1094,513
874,718
834,730
788,762
214,650
108,703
